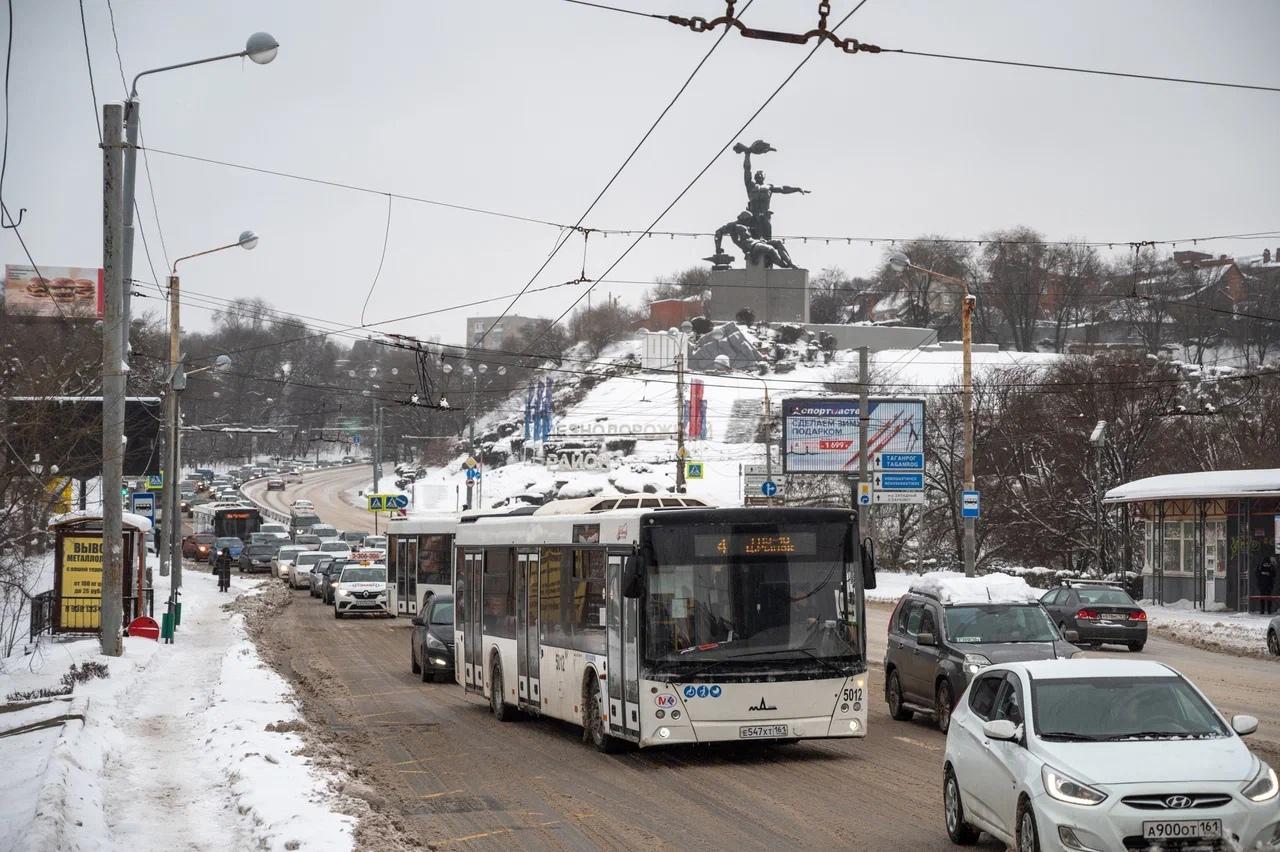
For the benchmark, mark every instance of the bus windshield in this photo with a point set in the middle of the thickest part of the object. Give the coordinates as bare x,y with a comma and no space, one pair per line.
748,598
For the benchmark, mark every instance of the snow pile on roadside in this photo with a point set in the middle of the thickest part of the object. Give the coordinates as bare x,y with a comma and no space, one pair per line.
180,746
1236,632
953,588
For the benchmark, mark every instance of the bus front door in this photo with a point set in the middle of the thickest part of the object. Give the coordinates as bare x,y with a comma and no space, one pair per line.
622,617
407,575
527,648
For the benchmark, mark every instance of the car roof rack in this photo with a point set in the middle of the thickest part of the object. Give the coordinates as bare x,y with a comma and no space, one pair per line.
1115,584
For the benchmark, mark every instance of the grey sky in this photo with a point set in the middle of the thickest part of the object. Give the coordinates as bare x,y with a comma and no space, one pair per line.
528,107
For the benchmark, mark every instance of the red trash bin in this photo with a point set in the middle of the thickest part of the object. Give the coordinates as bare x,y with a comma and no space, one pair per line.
144,627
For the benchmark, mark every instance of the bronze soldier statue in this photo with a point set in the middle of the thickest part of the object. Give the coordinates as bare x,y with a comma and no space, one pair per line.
759,193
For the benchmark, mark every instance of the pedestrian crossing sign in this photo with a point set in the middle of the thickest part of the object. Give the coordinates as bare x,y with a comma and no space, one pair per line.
693,470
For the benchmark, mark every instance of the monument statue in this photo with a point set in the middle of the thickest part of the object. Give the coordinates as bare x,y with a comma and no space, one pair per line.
752,231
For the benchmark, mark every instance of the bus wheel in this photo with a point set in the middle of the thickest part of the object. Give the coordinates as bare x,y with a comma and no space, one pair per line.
501,711
592,724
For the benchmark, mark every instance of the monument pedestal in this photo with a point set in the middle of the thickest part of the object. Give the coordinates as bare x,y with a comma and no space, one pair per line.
772,294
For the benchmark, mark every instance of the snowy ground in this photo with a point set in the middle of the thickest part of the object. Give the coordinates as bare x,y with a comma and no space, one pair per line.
173,751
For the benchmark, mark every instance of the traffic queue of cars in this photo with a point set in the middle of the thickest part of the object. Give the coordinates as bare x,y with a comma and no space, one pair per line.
1047,749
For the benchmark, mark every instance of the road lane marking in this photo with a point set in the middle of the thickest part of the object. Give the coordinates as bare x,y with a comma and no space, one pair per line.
925,746
434,795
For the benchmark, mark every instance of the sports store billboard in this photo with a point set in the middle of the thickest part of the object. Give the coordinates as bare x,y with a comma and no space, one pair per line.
820,435
57,292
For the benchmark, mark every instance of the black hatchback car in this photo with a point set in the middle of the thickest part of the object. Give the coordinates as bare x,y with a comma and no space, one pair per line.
1101,613
939,642
431,643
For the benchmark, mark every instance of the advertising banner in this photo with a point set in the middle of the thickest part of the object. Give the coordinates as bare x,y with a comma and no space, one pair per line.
81,586
820,435
57,292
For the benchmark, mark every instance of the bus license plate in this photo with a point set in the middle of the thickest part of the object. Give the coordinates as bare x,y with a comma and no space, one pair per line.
1183,829
751,732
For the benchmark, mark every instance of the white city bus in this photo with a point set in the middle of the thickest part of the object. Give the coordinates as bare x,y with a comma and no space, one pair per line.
419,560
665,625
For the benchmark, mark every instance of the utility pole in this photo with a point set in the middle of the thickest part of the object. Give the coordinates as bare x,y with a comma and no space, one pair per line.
471,426
680,451
173,418
768,434
866,522
970,524
111,613
377,446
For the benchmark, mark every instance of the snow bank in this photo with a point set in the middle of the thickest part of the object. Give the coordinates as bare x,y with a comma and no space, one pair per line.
953,588
172,750
1227,631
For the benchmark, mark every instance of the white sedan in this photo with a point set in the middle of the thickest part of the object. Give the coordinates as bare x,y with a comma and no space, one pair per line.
300,567
1092,754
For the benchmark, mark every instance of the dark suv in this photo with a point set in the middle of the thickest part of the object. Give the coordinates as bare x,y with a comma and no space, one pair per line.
939,642
1100,612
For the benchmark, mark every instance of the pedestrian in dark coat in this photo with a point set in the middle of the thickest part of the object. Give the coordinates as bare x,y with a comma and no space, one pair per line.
1266,581
223,567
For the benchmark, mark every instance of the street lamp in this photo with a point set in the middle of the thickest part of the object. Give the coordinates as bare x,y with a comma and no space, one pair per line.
1098,440
260,48
899,262
247,240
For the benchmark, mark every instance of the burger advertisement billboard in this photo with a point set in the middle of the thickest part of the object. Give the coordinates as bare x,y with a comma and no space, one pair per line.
54,291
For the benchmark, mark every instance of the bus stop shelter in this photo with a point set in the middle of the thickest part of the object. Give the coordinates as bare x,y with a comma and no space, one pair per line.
1204,534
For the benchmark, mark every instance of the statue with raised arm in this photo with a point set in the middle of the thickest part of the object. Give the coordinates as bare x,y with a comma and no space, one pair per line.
759,193
755,251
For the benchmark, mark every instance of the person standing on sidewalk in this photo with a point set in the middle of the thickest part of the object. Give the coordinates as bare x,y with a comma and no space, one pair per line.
1266,581
223,567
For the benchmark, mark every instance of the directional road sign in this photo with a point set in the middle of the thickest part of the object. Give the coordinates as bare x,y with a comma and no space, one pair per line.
897,461
864,493
899,481
970,504
769,488
899,497
472,473
355,439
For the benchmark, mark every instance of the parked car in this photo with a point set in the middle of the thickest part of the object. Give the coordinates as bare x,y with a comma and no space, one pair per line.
431,643
948,628
1103,754
230,543
335,547
256,557
284,558
325,531
275,484
197,546
1101,613
1273,637
300,567
361,589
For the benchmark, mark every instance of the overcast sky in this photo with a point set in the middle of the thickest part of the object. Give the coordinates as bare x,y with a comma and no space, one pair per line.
528,106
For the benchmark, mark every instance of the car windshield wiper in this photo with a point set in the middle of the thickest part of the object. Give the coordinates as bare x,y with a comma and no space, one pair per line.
1070,735
1157,735
808,652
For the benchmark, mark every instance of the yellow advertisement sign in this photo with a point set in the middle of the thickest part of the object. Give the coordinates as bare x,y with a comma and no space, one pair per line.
60,489
81,581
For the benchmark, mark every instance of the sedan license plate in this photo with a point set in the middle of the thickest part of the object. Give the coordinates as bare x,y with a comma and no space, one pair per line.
751,732
1182,829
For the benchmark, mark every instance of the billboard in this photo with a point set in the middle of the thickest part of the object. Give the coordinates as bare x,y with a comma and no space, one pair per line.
55,291
820,435
81,586
67,431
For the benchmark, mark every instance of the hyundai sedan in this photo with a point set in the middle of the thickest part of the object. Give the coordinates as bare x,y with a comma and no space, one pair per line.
1092,754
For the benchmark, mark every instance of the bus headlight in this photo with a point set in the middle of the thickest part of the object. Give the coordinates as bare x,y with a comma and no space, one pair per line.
663,733
855,725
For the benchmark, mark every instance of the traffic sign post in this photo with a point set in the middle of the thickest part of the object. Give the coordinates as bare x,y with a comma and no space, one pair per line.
155,482
899,497
864,493
693,470
769,488
899,481
897,461
970,504
144,503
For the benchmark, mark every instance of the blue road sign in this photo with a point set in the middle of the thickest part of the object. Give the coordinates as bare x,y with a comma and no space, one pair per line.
899,481
769,488
399,501
355,439
472,473
144,503
898,461
970,504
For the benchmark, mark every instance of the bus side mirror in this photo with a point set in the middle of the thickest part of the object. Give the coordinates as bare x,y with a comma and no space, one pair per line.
868,563
631,574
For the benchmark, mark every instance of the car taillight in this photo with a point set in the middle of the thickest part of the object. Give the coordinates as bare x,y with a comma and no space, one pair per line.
1087,614
1138,615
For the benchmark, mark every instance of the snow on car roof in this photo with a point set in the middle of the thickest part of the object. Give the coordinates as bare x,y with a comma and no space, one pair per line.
1089,667
1263,482
953,588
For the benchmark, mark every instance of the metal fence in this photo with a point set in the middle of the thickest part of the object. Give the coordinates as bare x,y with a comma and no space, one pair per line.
70,614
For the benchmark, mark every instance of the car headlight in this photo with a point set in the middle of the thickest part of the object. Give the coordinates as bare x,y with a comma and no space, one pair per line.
1264,785
433,642
1066,789
974,663
343,593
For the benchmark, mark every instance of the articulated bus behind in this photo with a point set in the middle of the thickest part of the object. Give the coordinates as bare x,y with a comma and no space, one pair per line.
419,560
666,626
226,521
